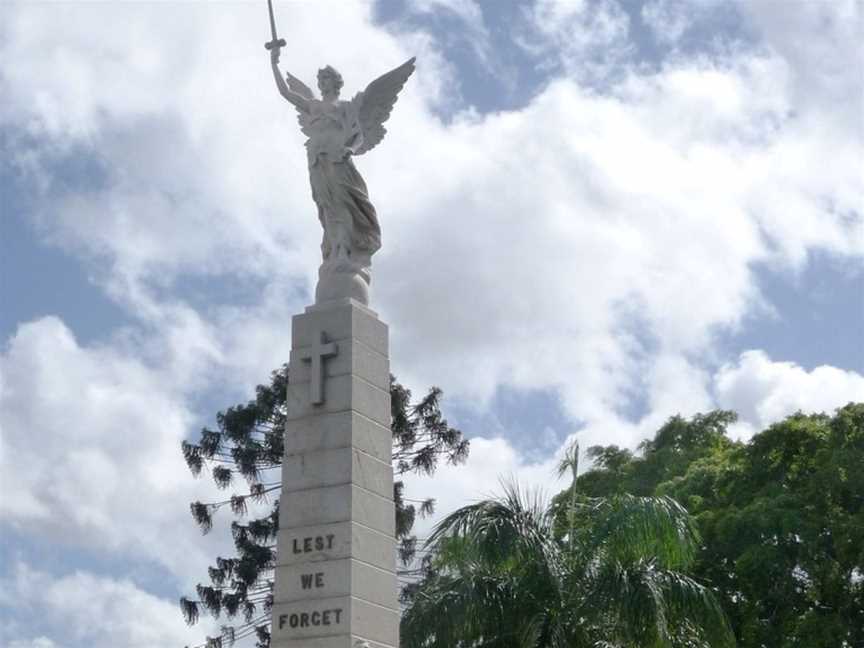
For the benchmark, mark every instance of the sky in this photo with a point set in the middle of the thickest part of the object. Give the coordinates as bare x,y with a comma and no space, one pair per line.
596,214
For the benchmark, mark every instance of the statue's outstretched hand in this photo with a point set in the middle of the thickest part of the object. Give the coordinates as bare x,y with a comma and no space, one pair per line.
274,55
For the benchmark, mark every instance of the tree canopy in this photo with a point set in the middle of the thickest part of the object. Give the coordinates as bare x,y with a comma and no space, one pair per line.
587,572
781,517
247,447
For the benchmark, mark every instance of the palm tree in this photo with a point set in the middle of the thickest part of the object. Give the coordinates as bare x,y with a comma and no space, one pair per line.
512,572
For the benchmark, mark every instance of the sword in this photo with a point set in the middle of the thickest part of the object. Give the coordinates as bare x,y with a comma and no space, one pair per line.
276,42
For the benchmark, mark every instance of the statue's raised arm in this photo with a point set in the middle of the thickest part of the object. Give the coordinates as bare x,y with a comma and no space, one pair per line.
374,105
295,91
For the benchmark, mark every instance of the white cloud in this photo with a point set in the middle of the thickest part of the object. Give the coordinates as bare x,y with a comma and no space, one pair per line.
763,391
476,33
491,462
667,19
818,46
676,386
588,40
821,42
468,11
90,452
95,611
38,642
633,234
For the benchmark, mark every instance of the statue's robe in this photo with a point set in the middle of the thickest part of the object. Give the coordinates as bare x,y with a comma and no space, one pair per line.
338,188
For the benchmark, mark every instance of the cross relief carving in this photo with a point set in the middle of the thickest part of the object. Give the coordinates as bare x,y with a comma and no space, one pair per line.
315,356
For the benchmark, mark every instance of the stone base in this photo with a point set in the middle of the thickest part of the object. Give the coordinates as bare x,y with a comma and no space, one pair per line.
335,577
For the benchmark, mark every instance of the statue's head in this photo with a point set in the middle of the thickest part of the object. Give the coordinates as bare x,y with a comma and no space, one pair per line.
329,81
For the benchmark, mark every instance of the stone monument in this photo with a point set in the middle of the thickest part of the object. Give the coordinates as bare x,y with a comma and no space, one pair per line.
335,581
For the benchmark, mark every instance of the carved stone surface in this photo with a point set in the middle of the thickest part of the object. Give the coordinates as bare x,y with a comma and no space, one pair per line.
337,430
335,582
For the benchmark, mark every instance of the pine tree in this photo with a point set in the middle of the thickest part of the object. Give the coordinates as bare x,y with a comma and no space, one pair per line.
248,443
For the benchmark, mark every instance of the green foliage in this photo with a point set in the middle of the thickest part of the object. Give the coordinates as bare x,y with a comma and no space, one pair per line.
781,517
247,446
514,573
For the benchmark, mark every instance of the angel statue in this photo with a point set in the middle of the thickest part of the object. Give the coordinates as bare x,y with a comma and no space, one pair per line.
338,130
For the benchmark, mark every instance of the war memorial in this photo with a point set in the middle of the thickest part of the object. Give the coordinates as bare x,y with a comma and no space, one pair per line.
335,579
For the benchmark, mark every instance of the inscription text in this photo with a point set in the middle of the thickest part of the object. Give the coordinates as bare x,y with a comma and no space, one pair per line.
307,581
312,543
311,619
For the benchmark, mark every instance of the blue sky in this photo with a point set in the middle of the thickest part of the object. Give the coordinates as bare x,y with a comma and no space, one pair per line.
596,214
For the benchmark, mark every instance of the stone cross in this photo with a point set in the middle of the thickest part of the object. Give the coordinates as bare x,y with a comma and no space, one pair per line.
315,356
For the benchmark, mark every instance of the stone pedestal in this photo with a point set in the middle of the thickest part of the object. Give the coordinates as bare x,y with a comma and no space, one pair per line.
336,584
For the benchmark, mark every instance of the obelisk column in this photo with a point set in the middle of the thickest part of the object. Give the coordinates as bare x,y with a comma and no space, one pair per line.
336,583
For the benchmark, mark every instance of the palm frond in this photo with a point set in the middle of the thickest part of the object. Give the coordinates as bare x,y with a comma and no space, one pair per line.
453,611
515,524
630,529
569,462
688,599
641,604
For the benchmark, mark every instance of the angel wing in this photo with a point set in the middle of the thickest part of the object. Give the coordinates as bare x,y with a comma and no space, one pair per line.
297,86
374,105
